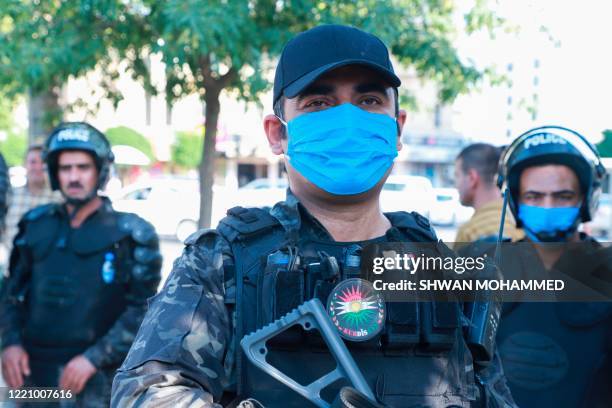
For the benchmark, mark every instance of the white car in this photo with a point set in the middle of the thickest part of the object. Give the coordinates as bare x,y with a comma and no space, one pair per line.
400,193
261,192
448,210
408,193
172,205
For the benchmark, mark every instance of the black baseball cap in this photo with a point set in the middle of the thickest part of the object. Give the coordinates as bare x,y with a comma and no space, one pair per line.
321,49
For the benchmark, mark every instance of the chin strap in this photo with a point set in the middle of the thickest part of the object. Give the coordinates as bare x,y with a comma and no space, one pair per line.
502,224
552,236
556,236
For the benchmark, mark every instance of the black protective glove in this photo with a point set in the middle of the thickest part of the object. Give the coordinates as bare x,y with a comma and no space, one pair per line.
349,397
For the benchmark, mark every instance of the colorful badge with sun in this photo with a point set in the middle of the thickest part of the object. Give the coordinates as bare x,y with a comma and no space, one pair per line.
356,309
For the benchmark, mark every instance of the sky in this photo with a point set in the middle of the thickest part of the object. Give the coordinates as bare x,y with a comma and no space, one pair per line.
575,70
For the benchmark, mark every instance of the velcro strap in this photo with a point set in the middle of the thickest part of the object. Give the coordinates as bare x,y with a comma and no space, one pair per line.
246,221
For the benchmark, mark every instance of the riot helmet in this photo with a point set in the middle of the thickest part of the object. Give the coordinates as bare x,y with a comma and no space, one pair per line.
78,136
553,145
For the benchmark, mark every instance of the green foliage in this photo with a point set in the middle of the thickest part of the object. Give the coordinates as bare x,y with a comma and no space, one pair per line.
216,45
14,147
229,43
187,150
45,42
6,113
123,135
605,146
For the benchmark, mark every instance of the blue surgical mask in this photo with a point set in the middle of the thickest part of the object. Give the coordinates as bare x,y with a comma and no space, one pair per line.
342,150
547,224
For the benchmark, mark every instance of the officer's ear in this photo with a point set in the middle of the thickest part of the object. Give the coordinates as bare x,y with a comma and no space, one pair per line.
275,131
401,120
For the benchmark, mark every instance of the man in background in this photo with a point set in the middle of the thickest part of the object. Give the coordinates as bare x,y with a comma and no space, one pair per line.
36,192
475,175
80,276
556,354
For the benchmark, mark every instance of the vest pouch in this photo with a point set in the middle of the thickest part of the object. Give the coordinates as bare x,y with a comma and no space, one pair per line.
440,323
402,329
282,290
266,286
322,275
289,291
323,289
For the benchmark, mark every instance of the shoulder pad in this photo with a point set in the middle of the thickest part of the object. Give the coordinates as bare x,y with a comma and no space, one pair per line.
195,237
140,230
414,225
242,221
41,211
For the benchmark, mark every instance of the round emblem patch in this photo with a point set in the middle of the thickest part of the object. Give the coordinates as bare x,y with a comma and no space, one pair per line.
356,309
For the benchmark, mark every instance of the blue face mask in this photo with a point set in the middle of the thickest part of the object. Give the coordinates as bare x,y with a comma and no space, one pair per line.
342,150
548,224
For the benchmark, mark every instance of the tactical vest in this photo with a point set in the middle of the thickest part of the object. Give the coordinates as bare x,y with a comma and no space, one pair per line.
68,304
420,358
551,351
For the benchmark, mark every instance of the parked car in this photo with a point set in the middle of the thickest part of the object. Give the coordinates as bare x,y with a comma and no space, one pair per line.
447,210
408,193
172,205
400,193
261,192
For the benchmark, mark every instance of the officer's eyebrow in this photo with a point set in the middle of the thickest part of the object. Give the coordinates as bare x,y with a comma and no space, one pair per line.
79,165
564,192
316,89
377,87
553,193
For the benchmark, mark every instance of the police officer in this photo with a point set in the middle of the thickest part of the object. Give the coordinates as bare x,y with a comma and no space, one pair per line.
551,351
5,187
80,276
338,125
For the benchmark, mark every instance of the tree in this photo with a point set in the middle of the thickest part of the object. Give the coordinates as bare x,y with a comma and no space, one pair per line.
208,48
123,135
605,146
228,46
14,147
45,42
187,150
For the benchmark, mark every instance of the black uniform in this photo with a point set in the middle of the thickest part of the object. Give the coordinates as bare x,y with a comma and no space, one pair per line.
224,286
78,291
552,351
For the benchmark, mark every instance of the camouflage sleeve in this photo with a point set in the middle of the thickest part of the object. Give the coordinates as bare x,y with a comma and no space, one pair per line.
179,353
493,382
13,292
144,273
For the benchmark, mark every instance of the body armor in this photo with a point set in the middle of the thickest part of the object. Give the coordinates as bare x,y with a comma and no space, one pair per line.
420,357
78,278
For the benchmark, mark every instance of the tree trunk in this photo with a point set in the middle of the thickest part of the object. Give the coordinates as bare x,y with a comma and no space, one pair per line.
44,113
207,164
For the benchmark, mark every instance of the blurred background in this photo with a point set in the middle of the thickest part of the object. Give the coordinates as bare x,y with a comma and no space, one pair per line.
180,88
